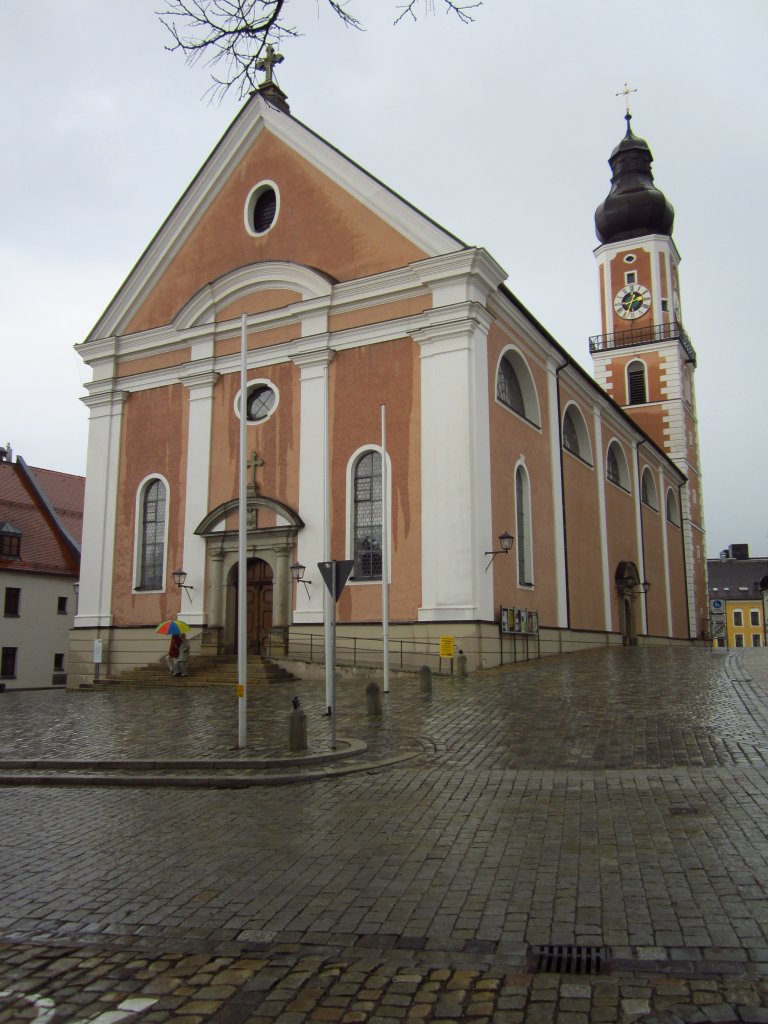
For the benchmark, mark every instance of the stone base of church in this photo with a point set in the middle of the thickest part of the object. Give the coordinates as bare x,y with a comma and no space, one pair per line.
359,647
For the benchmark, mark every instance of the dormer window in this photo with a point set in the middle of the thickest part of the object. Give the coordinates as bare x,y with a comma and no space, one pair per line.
10,541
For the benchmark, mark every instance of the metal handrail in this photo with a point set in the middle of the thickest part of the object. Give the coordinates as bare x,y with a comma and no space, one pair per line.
632,336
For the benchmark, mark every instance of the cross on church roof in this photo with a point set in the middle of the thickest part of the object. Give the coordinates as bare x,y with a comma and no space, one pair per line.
267,64
625,93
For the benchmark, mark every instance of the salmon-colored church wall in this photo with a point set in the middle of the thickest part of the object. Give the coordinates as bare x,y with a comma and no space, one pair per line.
653,550
276,440
319,224
582,515
677,579
152,442
361,380
513,438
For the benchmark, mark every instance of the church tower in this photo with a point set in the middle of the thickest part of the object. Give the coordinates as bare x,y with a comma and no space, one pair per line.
644,358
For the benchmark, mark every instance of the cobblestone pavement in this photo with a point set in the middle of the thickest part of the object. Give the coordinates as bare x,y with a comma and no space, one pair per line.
614,801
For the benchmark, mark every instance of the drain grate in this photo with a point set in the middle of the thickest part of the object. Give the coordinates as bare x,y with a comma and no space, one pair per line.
569,959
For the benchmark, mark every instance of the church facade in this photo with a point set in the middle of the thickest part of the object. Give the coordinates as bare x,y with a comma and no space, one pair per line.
352,300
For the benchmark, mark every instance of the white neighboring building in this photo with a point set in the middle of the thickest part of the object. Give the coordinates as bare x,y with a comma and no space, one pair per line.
41,517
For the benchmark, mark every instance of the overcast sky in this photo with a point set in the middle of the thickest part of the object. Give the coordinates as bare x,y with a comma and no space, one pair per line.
499,130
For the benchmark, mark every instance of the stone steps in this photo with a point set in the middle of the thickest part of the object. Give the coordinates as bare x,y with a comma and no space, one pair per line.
213,670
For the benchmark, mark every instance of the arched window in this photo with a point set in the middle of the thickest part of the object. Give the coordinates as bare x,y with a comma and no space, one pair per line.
523,520
637,390
151,538
673,509
508,387
367,516
648,493
575,435
515,388
616,468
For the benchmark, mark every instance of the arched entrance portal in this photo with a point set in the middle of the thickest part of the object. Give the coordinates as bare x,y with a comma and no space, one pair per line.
270,543
259,605
627,584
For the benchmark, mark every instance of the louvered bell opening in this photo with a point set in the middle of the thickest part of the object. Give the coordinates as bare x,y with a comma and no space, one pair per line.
264,211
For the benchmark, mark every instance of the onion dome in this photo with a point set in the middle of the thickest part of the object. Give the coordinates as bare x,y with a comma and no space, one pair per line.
634,206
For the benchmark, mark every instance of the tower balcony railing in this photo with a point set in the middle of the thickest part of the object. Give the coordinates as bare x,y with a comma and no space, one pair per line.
672,331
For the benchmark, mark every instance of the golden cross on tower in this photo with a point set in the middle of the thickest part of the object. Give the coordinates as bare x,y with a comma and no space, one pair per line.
267,64
625,93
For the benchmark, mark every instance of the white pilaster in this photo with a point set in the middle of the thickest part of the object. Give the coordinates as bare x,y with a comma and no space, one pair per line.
605,574
662,490
200,386
456,524
100,508
314,372
556,471
639,532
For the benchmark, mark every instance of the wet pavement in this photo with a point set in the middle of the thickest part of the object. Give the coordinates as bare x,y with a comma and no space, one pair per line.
612,803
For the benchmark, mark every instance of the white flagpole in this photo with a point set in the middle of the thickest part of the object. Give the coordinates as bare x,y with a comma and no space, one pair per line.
385,547
329,602
242,568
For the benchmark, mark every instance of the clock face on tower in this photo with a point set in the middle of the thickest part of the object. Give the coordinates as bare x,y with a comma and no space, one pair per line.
632,301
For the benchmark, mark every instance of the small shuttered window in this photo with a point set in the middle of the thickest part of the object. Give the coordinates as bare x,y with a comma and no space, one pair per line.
636,386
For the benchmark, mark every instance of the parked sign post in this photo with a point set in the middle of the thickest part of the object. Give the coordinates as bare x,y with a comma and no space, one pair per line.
335,575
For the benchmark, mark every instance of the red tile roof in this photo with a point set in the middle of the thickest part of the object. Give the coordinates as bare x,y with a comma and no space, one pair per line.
47,507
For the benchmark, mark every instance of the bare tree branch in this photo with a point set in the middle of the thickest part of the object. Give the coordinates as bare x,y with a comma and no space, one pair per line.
461,10
231,36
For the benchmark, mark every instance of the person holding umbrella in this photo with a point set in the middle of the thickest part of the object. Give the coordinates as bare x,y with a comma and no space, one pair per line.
175,629
173,653
182,660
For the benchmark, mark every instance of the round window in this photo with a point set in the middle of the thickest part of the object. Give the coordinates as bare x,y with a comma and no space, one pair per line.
261,208
261,401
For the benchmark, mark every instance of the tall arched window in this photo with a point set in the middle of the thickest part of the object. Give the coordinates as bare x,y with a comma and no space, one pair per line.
616,468
575,435
523,520
515,388
637,390
508,388
648,490
151,560
673,510
368,516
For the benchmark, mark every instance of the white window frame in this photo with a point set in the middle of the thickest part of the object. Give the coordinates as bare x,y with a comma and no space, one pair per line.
531,406
349,546
138,533
623,483
250,204
524,547
675,521
636,362
250,386
582,434
649,495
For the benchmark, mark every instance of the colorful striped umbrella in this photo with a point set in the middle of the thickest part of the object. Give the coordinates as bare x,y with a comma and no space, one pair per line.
172,627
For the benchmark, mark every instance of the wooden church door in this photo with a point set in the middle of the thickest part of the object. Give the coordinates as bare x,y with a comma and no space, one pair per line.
259,604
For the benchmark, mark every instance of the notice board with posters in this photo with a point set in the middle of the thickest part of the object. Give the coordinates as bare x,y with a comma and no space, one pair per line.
519,620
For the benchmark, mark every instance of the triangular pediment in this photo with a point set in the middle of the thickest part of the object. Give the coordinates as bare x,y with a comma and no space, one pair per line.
334,217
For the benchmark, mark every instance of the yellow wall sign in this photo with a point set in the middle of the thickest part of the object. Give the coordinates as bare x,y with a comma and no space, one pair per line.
446,646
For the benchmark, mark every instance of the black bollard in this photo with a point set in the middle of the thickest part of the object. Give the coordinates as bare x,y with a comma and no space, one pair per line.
297,728
373,698
425,679
461,665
